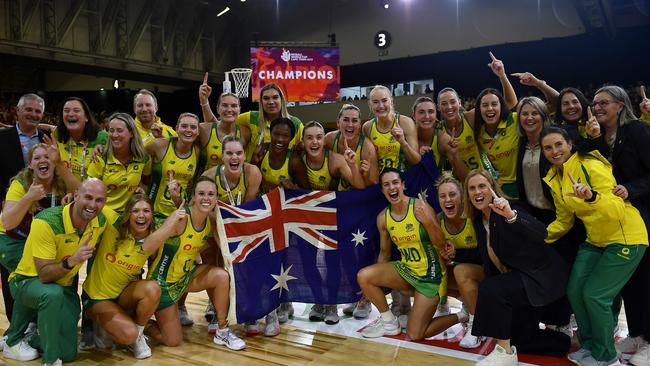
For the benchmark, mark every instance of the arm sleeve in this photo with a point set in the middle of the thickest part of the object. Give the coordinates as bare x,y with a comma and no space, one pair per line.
42,240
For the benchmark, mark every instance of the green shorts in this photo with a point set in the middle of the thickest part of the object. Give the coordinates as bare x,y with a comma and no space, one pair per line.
88,303
425,286
11,251
170,293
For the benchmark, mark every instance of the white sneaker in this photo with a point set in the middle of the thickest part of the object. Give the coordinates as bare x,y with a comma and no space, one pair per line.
284,312
378,328
403,321
184,316
630,344
331,315
140,348
591,361
443,309
469,340
213,326
566,329
272,327
21,351
58,362
499,357
577,356
348,309
641,357
226,337
317,313
362,309
3,342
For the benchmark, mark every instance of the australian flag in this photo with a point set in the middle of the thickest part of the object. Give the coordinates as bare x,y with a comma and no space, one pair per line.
305,246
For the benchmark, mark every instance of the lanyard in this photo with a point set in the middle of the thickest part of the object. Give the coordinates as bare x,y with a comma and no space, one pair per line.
225,183
83,157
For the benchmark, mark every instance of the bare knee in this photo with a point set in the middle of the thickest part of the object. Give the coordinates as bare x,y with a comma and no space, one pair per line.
126,335
414,334
172,340
364,276
151,290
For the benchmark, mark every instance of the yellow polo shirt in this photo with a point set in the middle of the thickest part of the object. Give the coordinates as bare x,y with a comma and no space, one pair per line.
121,180
147,136
52,236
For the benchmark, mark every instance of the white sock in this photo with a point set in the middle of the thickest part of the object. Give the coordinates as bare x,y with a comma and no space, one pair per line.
140,329
387,316
471,318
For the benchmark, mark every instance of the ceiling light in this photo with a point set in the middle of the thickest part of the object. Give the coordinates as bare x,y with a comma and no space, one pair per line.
224,11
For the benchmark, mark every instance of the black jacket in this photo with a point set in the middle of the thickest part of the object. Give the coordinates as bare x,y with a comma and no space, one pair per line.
520,247
12,157
631,164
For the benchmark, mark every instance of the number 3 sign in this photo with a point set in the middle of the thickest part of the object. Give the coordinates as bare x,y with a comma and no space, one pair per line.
382,40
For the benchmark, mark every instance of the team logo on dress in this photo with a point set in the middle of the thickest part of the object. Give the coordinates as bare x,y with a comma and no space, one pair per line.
392,139
70,240
187,246
409,227
172,162
216,147
281,178
469,239
136,167
624,253
321,179
110,257
190,167
190,236
468,139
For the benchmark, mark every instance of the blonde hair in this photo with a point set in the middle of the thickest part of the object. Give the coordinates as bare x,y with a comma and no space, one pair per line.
470,210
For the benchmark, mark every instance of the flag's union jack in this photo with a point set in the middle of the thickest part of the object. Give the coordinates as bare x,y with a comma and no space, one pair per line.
309,215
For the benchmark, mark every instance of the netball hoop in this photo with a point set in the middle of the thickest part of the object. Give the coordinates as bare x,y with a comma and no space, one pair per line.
241,77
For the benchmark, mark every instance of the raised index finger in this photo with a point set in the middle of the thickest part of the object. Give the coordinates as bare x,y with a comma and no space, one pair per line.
573,180
642,92
590,113
205,78
182,204
345,144
421,197
494,195
492,56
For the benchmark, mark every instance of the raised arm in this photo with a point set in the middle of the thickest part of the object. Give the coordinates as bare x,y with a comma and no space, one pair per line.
528,79
499,70
204,94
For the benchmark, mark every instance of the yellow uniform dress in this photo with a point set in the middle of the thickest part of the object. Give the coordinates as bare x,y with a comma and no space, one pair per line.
147,136
467,148
272,177
175,263
121,180
502,150
184,170
465,243
252,120
76,155
321,178
232,196
52,236
420,263
389,151
213,151
343,184
118,259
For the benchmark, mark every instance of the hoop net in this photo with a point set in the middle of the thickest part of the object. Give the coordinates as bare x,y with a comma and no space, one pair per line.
242,79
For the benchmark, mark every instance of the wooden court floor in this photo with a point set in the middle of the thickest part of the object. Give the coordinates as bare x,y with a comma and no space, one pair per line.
294,346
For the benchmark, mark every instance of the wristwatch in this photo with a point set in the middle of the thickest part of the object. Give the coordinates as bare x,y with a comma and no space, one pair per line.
66,265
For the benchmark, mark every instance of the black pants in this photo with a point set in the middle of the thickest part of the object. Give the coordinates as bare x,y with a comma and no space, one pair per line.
636,298
503,311
6,294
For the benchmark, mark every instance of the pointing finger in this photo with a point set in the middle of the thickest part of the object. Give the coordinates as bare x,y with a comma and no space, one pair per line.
492,56
642,92
494,195
421,197
453,133
573,180
345,144
182,204
205,78
517,74
590,113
